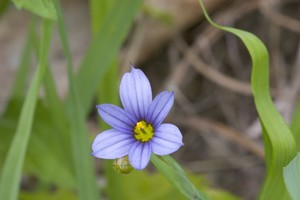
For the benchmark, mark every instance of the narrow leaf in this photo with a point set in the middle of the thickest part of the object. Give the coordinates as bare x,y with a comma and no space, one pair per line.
110,80
279,143
85,173
99,10
21,78
172,171
104,48
23,70
11,173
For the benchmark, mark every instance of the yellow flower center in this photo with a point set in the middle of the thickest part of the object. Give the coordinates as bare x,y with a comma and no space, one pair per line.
143,131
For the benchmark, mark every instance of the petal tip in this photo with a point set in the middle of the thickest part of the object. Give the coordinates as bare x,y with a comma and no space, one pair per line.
100,106
93,154
132,66
97,106
172,93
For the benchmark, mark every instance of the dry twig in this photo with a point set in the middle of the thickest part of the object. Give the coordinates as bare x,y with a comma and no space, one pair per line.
204,124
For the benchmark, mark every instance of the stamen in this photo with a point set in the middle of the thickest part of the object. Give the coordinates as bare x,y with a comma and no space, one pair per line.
143,131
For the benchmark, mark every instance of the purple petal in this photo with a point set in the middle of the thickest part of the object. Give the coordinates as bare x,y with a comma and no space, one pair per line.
160,107
166,140
112,144
135,93
116,117
139,155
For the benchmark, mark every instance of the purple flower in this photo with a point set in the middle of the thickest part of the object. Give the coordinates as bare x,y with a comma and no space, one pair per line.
137,130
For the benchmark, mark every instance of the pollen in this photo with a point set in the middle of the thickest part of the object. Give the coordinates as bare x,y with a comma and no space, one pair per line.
143,131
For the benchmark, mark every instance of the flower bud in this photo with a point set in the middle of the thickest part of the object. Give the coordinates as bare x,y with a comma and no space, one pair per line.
122,165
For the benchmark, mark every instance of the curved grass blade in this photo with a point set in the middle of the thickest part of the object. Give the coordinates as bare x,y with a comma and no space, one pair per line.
291,175
172,171
279,143
11,173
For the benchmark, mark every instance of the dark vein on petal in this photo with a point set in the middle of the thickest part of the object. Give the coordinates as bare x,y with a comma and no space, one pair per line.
128,83
166,139
136,96
133,150
154,106
115,144
126,98
129,80
113,116
165,146
113,136
159,113
143,148
142,103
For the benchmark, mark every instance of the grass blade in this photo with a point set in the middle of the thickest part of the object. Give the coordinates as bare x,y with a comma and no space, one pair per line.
99,11
104,48
279,143
11,173
172,171
19,85
22,74
85,173
110,80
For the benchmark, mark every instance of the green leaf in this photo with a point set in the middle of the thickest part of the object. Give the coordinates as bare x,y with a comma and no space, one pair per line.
98,12
50,129
23,69
291,175
7,128
84,170
19,85
279,143
49,149
11,173
103,48
172,171
110,80
141,184
43,8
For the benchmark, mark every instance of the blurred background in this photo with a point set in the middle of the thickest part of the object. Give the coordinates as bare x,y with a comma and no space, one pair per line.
209,71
